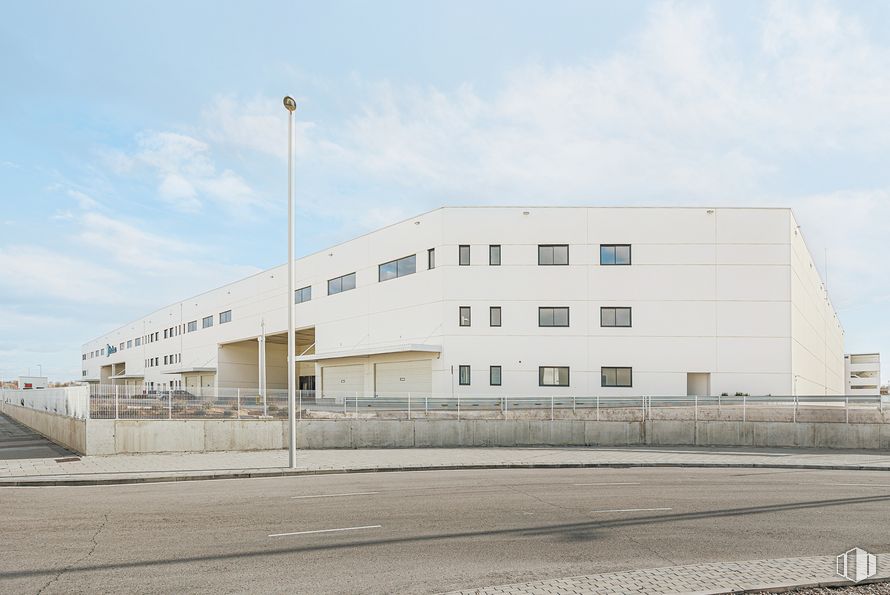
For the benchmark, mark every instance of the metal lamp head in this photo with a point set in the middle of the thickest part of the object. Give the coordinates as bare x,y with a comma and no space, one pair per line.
290,104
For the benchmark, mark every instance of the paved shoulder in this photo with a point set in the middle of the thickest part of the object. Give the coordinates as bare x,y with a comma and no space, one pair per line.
722,577
20,442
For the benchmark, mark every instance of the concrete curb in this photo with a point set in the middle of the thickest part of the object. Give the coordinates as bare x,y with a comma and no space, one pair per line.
164,477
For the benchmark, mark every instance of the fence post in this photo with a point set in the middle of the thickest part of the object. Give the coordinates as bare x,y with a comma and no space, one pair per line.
345,401
116,406
794,415
551,407
846,409
744,408
238,403
426,405
458,407
643,404
170,405
409,406
356,405
573,406
300,414
597,408
696,407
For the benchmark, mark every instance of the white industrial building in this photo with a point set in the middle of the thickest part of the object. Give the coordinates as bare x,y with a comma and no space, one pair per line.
863,374
513,301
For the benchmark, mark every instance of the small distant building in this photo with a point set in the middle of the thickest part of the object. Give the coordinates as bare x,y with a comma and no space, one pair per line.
863,373
30,382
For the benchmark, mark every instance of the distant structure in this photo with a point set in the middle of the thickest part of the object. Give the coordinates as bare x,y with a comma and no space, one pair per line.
31,382
863,372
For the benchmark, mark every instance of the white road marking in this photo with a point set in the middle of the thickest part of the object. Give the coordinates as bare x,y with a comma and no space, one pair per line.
609,484
326,530
333,495
865,485
632,510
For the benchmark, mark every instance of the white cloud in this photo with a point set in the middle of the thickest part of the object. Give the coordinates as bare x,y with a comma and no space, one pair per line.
32,270
258,124
84,200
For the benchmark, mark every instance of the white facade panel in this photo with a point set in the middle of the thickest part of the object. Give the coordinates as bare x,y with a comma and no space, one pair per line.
728,292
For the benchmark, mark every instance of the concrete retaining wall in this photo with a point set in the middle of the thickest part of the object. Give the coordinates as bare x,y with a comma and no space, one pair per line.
61,429
135,436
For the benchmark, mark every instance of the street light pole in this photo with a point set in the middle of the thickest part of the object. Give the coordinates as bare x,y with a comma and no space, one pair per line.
291,106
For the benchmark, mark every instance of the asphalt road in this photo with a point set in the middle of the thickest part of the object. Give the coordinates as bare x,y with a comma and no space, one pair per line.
20,442
425,531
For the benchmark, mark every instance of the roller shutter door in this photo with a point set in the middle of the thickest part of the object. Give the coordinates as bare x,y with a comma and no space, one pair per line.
400,378
339,381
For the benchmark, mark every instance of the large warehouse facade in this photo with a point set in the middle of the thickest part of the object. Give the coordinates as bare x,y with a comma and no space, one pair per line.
513,301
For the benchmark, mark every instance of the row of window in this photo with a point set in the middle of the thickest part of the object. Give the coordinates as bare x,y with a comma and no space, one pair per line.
548,254
153,362
610,377
553,254
169,333
610,316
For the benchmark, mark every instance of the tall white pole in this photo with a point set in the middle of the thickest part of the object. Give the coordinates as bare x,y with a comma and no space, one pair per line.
291,393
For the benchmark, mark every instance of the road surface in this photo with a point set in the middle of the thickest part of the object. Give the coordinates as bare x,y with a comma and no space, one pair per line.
423,532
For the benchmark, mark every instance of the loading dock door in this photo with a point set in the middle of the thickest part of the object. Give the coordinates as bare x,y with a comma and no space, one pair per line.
340,381
401,378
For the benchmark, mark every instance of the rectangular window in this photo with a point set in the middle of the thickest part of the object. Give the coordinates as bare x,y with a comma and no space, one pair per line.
615,317
494,316
341,284
494,375
431,258
138,341
225,317
129,343
304,294
193,326
464,250
102,351
121,347
157,334
553,376
558,316
494,255
397,268
463,375
465,316
165,360
207,322
622,377
553,254
614,254
165,333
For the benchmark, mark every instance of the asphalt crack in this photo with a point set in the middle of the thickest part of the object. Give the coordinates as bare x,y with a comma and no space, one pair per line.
94,544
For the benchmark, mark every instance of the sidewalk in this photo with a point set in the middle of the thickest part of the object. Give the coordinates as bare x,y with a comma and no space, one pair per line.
217,465
720,577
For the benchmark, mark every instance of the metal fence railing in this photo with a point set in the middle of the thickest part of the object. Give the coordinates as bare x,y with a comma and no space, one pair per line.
117,402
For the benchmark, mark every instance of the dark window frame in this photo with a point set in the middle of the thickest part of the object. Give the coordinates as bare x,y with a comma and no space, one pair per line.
460,255
460,316
430,259
616,308
615,255
460,378
568,316
491,259
340,280
303,294
554,264
491,381
491,310
398,264
228,318
541,376
204,322
616,385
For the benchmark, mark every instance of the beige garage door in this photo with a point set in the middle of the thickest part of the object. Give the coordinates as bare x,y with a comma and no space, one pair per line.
339,381
401,378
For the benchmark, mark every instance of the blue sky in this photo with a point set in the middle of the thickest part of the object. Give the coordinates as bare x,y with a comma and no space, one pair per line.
142,156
